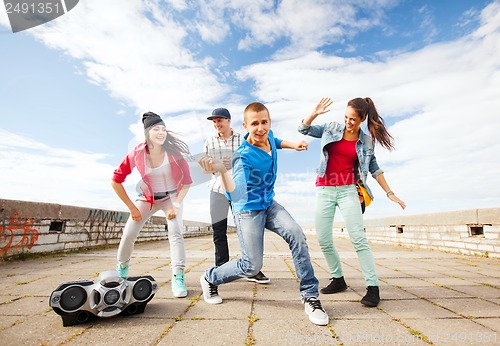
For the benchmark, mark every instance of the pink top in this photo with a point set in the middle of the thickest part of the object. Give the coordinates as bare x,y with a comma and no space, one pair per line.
137,158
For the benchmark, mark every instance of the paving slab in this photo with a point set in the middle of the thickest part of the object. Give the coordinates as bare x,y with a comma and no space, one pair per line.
207,332
473,307
408,282
123,331
436,292
39,330
492,323
486,292
373,332
395,293
453,331
424,294
286,331
416,308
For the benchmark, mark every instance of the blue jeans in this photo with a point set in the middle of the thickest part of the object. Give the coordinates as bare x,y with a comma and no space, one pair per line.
250,225
346,198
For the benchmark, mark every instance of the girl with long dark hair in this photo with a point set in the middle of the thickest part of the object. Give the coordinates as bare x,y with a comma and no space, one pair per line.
347,156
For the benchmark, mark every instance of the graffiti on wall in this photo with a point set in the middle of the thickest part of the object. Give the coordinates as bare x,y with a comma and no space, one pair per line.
103,224
17,233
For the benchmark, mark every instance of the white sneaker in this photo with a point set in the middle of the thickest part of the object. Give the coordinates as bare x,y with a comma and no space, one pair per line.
210,291
315,311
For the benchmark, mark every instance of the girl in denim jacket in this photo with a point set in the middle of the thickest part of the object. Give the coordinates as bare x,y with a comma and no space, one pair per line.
346,159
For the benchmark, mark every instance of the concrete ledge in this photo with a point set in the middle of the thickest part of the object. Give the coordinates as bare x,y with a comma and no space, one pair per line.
31,227
452,231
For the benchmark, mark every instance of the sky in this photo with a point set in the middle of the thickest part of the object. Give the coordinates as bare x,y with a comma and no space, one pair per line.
73,91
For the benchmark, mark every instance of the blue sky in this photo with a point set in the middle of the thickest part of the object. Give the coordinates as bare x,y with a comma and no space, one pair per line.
73,91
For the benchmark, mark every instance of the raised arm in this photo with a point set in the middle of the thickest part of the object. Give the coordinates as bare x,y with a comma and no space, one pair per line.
321,108
316,131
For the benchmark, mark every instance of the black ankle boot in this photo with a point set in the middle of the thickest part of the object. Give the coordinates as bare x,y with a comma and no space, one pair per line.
372,297
335,286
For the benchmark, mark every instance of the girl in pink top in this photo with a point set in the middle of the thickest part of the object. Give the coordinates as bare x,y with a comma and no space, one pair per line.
165,182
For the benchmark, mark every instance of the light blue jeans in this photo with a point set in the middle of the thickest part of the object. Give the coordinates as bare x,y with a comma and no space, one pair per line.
346,198
250,227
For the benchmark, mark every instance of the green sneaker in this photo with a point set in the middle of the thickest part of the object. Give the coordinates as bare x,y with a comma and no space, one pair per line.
122,269
179,289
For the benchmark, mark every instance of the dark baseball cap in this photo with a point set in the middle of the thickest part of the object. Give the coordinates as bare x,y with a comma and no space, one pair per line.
220,113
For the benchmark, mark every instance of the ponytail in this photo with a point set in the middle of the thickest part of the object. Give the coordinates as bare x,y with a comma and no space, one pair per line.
365,108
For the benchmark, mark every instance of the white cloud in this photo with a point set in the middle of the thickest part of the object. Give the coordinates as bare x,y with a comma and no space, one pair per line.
304,24
296,193
136,51
33,171
427,24
443,99
4,19
179,5
445,149
36,172
196,205
490,19
211,22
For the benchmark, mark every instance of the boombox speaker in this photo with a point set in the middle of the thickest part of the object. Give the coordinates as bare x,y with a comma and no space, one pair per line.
109,295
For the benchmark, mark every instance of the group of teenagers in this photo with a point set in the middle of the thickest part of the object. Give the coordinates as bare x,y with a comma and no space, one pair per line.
244,171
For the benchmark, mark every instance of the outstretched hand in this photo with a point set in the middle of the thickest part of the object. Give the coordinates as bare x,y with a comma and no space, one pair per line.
211,165
322,106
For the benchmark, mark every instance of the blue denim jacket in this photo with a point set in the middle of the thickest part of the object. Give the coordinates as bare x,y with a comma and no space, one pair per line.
333,132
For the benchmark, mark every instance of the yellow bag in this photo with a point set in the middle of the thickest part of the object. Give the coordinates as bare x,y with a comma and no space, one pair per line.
364,197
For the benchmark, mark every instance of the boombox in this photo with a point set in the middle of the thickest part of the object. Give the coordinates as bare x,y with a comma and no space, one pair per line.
109,295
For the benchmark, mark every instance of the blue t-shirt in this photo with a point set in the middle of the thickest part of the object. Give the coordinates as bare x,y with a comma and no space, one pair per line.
254,174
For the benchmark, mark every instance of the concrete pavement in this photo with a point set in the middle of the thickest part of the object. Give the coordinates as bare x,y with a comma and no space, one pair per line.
428,297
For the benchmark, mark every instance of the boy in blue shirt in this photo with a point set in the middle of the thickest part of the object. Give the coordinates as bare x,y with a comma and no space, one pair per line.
251,192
